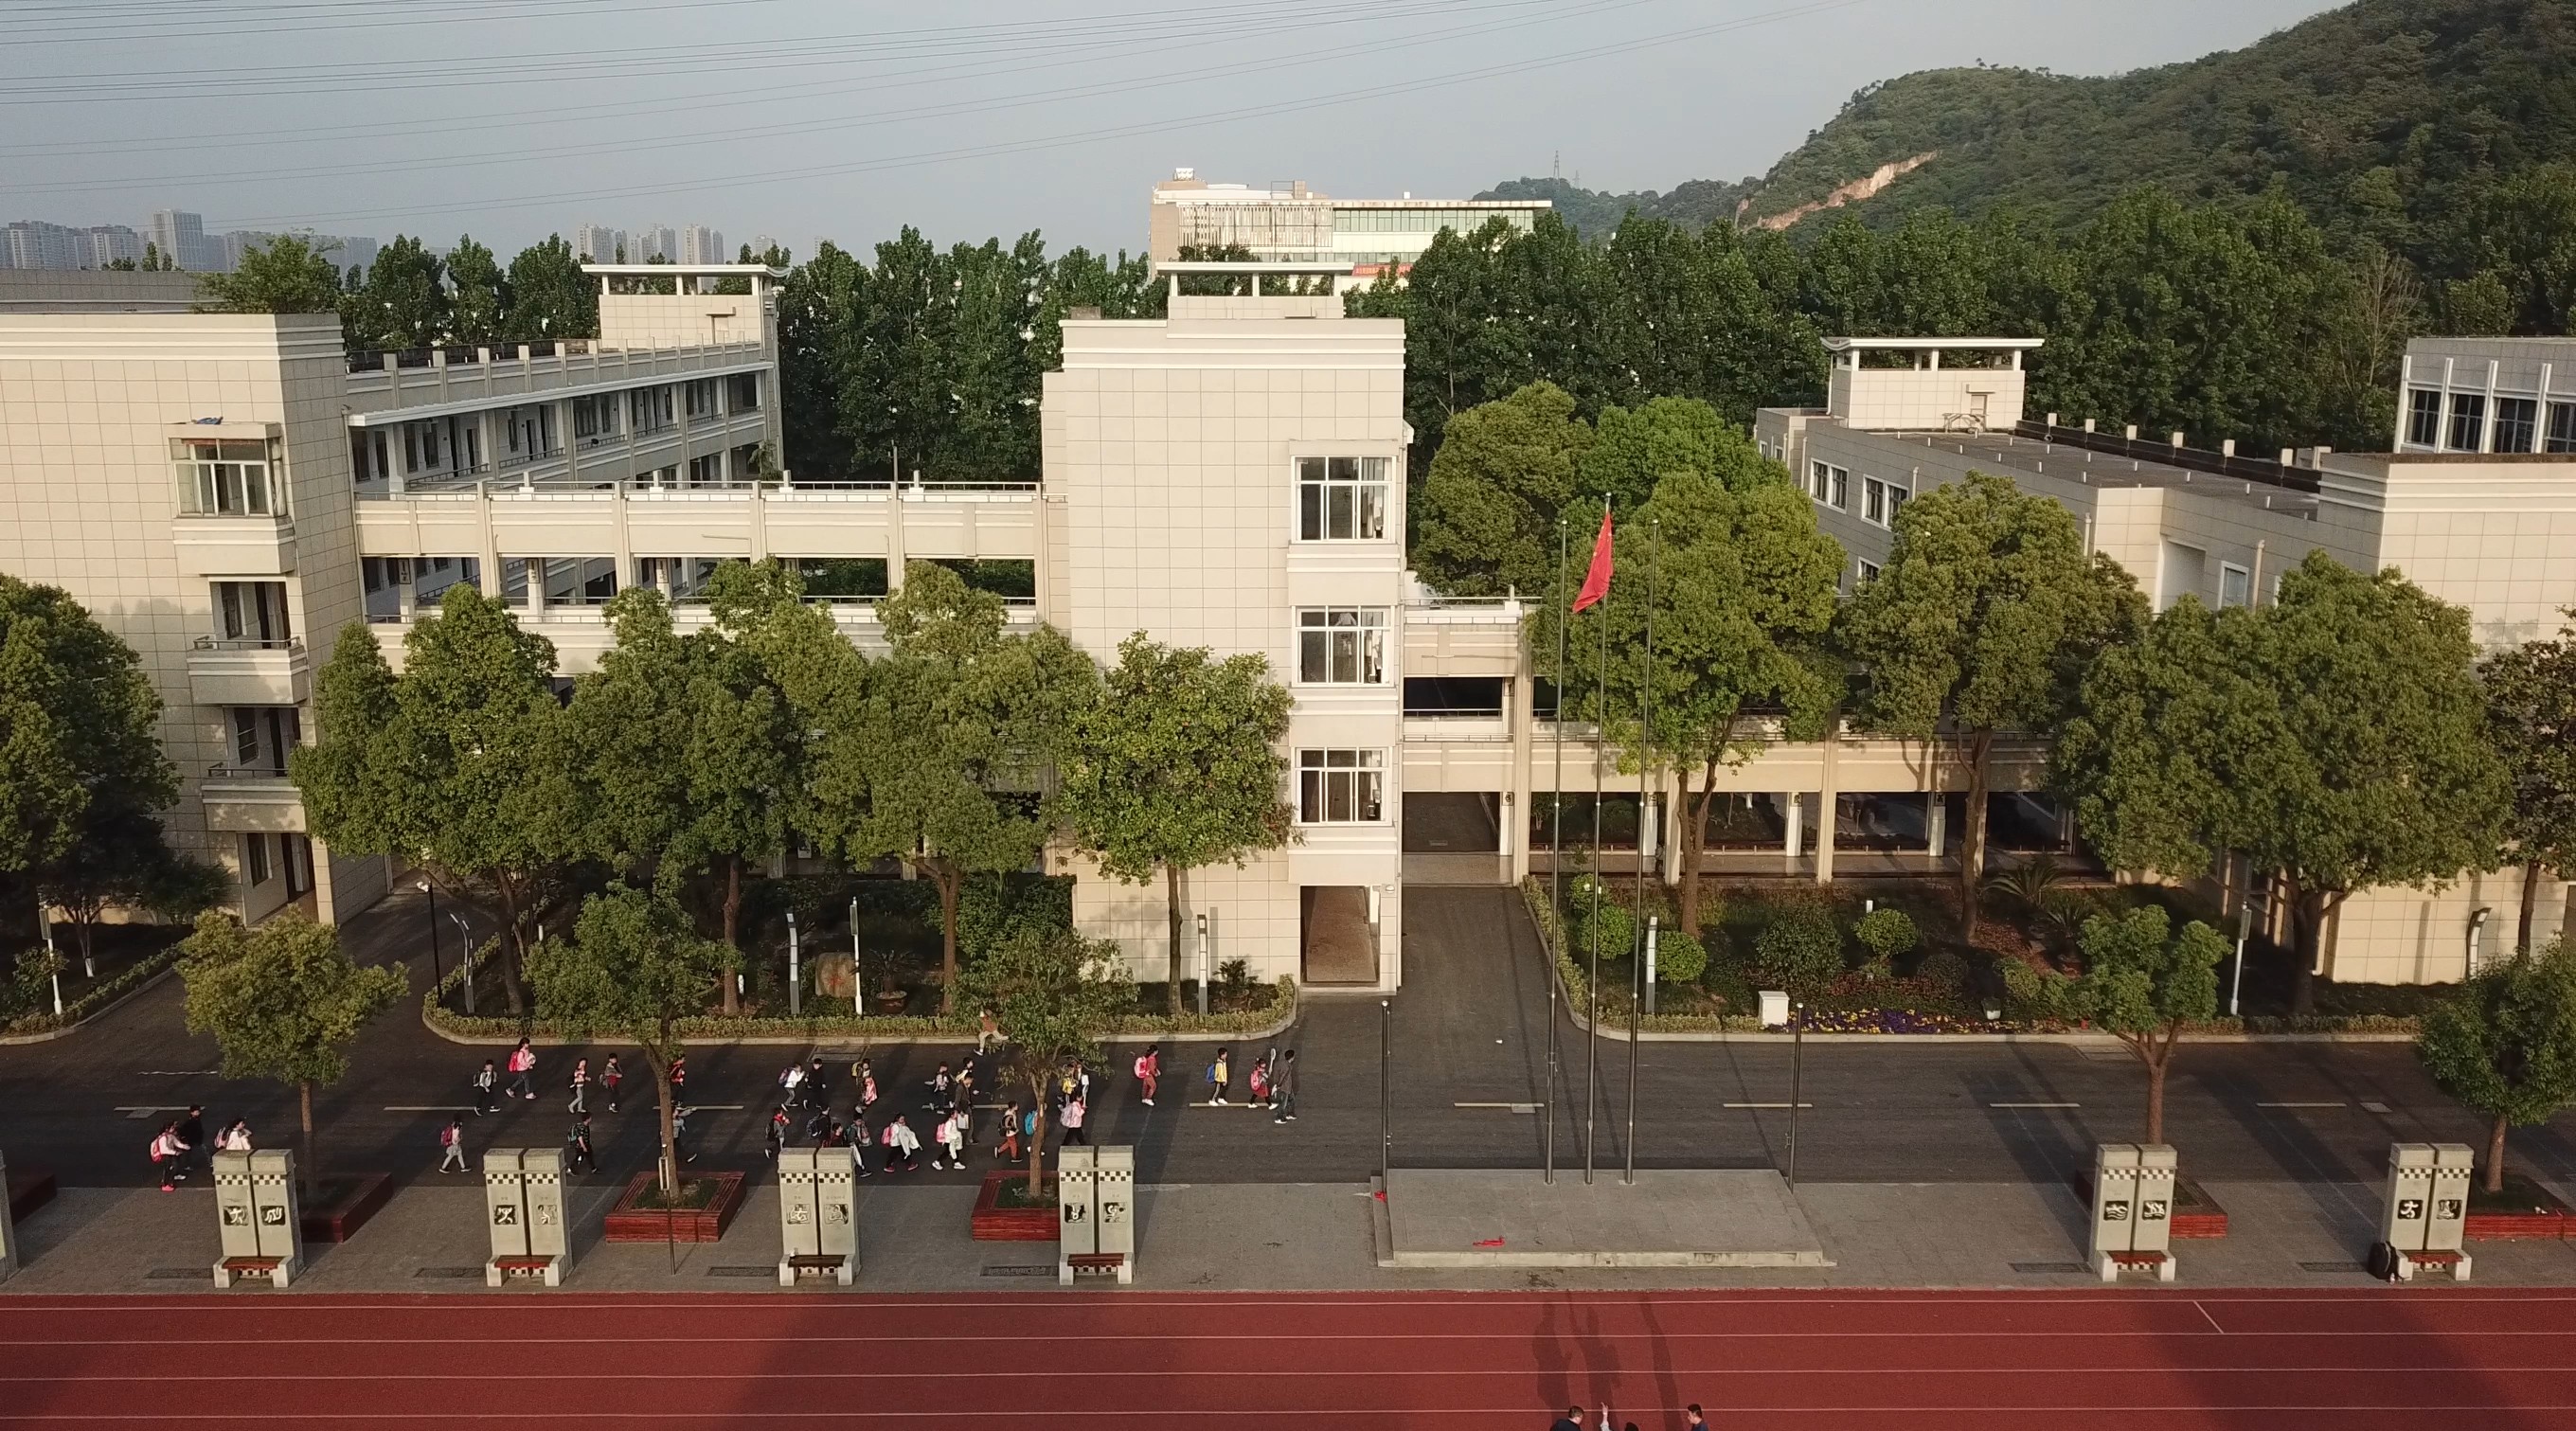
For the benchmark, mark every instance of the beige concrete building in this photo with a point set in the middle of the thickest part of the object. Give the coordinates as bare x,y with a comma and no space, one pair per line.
2465,506
1287,222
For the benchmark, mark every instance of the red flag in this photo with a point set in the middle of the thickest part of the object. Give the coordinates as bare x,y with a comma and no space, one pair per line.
1596,579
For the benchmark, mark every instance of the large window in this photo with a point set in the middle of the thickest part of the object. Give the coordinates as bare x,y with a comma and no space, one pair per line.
252,612
2562,428
702,397
2424,417
2235,585
1340,787
1880,500
742,392
594,417
1341,499
1830,485
648,409
228,478
2516,419
2468,421
1341,646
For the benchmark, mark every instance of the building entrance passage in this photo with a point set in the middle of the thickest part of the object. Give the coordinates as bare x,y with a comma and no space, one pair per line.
1340,946
1454,838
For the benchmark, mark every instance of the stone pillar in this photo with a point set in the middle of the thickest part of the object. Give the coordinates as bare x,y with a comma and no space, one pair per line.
1825,800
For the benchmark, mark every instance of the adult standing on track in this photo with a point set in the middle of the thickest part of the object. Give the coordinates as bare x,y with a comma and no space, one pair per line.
1572,1420
1695,1421
1283,1088
523,1065
1149,1070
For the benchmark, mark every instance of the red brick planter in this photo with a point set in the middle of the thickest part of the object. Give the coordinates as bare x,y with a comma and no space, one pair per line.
630,1223
994,1223
2523,1212
344,1206
29,1189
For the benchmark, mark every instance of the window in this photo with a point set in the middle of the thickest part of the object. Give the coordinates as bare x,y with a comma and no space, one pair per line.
2468,421
257,845
742,392
648,409
1879,501
245,737
531,431
1340,787
2235,585
1341,499
701,395
2562,428
2515,419
1830,485
252,612
1341,646
1868,569
228,478
579,581
594,417
2424,417
1841,498
707,471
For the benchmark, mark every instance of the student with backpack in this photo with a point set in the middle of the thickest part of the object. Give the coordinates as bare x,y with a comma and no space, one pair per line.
1220,1074
952,1142
451,1145
1258,1080
1149,1070
579,1107
169,1156
609,1079
901,1142
1073,1115
777,1137
790,1080
483,1086
1007,1147
577,1149
523,1065
1283,1089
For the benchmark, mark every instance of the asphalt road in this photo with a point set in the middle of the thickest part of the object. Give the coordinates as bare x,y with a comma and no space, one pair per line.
1469,1058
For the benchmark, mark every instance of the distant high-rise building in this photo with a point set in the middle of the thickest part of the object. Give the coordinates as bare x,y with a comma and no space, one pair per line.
648,242
114,243
592,243
238,244
181,237
356,251
33,243
761,244
700,244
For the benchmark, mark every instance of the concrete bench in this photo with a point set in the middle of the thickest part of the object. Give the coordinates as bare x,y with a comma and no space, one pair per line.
500,1269
1075,1264
820,1264
272,1268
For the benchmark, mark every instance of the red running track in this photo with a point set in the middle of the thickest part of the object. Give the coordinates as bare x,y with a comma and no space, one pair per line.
1993,1361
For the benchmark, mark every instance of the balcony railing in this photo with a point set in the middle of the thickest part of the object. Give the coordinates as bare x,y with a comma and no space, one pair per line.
221,771
372,360
249,643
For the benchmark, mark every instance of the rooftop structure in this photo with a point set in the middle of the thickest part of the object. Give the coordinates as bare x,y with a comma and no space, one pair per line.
1288,222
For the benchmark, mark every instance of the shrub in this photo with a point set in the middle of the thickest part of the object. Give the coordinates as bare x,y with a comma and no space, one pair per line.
1945,967
1886,932
1801,950
1679,957
1617,928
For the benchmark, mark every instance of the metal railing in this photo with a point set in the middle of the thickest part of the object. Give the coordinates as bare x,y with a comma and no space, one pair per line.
248,643
221,771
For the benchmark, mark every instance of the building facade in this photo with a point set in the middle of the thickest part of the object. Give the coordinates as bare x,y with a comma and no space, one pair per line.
2469,506
1290,223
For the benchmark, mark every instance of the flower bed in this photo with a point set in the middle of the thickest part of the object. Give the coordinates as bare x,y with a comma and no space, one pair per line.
2524,1212
340,1206
97,996
706,1205
994,1222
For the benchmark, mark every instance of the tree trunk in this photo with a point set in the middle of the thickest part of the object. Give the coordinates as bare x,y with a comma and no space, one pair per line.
1172,885
1972,840
732,919
513,946
2530,901
949,878
2156,1063
1037,1138
670,1159
1695,843
86,922
312,1162
2309,915
2495,1156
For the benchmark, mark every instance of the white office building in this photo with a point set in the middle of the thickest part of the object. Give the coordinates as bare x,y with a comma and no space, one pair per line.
1286,222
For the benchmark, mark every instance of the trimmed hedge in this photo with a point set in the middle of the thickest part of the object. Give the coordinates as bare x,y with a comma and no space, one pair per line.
98,996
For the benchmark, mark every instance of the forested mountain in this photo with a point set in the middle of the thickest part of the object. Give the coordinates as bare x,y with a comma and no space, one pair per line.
2392,120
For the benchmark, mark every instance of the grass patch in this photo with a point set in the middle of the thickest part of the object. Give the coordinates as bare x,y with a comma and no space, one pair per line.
1013,1196
693,1195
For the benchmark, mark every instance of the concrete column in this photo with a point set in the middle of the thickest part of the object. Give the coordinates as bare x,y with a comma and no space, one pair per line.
491,542
563,431
1518,709
1675,817
894,539
1936,819
1825,813
1796,821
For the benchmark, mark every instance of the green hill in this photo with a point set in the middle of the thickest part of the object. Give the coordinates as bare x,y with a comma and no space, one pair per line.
2390,118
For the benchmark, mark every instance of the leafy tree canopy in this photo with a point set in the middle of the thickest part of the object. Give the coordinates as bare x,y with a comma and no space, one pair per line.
2504,1045
80,745
287,274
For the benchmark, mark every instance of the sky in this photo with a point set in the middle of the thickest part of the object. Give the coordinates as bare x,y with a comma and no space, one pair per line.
850,119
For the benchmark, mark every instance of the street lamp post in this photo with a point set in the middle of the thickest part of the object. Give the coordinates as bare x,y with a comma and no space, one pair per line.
1385,1100
1797,1080
437,974
1204,970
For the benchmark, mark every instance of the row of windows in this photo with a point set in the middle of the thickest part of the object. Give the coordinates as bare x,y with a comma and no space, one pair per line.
1879,500
1424,221
454,445
2467,425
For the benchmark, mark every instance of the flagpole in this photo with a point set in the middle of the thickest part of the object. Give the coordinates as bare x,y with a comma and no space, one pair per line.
1637,973
1592,990
1556,858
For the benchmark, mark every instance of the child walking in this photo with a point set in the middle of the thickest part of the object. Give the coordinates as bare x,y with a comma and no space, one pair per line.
609,1079
1149,1070
451,1143
1221,1073
523,1065
484,1083
580,1088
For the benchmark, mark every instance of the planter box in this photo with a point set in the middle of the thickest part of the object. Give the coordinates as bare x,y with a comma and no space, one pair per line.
341,1206
29,1189
628,1222
2523,1212
2195,1214
995,1223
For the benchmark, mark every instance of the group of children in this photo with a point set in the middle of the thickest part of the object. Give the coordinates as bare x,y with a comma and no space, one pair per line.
174,1149
580,1153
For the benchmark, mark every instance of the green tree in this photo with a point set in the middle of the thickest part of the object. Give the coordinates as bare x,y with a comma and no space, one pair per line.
2337,739
636,969
1486,522
80,748
549,297
2504,1044
464,763
1984,620
287,274
283,1001
1886,932
959,722
479,297
1177,766
2144,985
2531,708
123,860
403,301
1056,997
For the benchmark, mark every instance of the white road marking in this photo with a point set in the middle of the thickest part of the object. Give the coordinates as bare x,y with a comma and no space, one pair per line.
2369,1107
2034,1105
1506,1107
176,1072
2298,1105
148,1112
1763,1105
